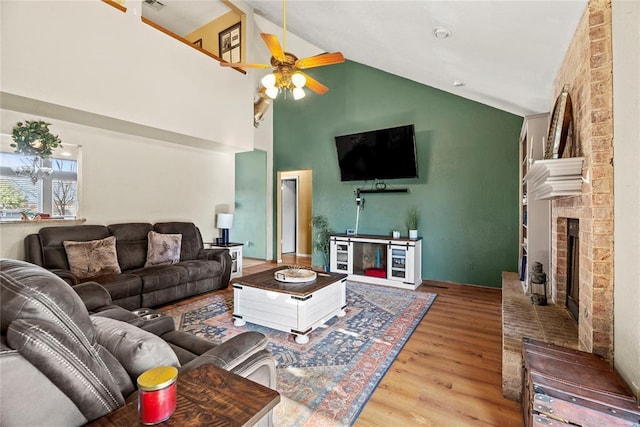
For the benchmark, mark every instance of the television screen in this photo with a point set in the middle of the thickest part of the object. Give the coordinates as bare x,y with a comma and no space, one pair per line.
378,154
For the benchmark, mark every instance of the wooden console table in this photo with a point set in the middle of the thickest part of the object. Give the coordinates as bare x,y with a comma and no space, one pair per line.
206,396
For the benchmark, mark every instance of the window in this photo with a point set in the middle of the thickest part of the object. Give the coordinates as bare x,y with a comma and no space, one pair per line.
55,194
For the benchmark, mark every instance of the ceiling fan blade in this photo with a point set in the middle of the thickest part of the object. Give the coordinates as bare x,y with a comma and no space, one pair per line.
242,65
274,46
315,85
320,60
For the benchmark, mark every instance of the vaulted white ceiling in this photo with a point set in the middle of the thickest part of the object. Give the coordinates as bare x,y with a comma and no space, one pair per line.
506,53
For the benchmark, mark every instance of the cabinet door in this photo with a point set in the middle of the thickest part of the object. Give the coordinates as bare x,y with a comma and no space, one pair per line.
400,262
341,256
236,261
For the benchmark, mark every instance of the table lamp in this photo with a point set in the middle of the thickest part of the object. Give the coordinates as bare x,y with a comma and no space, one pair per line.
225,222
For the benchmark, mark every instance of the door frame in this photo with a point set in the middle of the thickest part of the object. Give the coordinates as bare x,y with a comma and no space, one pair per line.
304,190
296,179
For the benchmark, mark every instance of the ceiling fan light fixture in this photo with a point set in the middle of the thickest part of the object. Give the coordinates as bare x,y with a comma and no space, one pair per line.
269,80
298,93
298,80
272,92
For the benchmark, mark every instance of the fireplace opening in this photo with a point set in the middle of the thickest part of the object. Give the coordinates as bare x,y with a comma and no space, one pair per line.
573,268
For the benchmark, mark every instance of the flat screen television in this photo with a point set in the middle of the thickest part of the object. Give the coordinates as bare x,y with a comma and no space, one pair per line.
378,154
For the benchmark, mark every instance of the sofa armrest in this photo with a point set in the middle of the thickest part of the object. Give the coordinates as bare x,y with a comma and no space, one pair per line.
213,253
232,352
66,275
260,367
93,295
223,257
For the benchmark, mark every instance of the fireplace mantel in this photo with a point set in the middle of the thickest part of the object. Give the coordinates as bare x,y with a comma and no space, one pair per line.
548,179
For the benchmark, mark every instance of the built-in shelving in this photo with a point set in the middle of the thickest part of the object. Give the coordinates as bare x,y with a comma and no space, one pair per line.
551,178
535,215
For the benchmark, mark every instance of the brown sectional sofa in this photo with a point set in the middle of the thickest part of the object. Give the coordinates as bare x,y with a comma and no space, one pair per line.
199,270
65,363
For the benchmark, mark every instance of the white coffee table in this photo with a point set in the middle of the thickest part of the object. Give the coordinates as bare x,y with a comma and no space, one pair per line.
298,308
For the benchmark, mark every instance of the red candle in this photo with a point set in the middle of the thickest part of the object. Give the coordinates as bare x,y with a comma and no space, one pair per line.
157,394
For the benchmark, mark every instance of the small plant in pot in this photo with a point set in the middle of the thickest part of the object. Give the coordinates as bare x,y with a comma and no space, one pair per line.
413,218
322,237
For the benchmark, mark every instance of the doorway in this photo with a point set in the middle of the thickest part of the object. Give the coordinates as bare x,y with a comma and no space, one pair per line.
293,214
289,190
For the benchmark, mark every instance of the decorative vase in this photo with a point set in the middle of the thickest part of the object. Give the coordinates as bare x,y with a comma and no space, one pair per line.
413,234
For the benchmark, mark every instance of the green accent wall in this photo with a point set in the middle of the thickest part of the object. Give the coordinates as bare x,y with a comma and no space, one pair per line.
249,222
467,190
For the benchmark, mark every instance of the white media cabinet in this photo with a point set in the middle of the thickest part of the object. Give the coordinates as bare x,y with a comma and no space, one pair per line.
380,260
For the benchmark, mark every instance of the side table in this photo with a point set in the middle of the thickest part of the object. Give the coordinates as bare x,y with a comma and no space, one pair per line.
206,396
235,250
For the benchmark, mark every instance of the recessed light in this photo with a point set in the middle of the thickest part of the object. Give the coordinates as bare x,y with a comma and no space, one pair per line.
458,83
441,33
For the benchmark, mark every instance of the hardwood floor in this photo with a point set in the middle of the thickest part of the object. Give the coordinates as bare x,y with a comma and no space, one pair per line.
449,372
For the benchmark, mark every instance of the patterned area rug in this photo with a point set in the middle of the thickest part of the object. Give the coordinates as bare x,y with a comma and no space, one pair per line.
328,380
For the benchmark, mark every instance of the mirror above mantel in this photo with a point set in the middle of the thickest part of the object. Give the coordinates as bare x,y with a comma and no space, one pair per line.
201,24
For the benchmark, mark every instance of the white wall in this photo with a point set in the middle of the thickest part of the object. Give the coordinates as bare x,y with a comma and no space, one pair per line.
127,178
626,130
159,122
90,57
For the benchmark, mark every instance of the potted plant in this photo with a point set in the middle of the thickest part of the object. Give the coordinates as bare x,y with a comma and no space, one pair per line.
33,138
413,217
321,237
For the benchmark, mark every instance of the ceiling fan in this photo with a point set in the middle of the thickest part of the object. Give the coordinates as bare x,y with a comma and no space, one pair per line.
287,67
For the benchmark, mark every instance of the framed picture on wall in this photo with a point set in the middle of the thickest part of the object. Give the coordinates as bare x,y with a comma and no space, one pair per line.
229,43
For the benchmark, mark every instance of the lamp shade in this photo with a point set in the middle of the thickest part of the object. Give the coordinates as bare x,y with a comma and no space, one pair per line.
224,221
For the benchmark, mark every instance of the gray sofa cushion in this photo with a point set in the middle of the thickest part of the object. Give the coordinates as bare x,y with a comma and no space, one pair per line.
47,322
91,378
131,243
137,350
161,277
235,351
51,238
30,292
121,285
20,379
201,269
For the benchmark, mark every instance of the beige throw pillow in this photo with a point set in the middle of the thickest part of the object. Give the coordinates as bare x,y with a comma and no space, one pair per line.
163,248
93,258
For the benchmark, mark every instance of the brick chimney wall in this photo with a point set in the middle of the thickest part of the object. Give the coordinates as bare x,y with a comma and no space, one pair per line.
587,70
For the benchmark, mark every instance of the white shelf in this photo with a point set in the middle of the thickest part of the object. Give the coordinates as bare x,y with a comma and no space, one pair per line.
555,178
535,231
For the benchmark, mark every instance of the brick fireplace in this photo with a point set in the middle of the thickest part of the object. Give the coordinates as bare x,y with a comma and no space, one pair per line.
587,70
